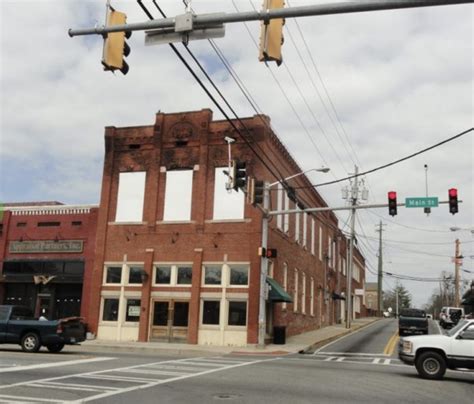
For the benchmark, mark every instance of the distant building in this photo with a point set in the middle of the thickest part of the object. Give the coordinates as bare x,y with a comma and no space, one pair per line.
371,297
46,257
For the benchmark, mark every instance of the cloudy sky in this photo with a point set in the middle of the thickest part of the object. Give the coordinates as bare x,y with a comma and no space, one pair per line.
358,89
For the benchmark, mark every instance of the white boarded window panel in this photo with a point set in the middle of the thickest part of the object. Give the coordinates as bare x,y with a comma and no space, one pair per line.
313,241
130,197
280,207
178,195
227,205
286,217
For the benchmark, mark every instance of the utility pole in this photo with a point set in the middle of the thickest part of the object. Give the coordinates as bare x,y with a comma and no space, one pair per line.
396,302
456,273
354,195
263,268
380,272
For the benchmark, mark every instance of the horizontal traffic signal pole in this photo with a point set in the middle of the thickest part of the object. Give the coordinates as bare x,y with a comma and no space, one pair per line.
200,21
327,208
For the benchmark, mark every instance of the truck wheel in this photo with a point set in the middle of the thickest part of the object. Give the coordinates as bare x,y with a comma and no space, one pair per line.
30,342
55,348
431,365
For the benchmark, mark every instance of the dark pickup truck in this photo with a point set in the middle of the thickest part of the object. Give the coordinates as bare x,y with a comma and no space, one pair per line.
19,326
412,321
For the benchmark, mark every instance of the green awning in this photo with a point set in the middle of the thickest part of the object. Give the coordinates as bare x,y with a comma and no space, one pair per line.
276,293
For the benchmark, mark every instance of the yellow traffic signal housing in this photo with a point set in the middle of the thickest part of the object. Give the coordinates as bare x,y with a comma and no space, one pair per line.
115,47
271,34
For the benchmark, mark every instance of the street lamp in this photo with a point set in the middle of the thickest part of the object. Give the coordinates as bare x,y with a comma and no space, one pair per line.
321,170
264,259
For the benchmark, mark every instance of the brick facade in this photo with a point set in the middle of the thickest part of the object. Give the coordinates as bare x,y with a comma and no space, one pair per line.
32,236
193,141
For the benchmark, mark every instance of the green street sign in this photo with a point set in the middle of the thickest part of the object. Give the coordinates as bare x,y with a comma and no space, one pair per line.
428,202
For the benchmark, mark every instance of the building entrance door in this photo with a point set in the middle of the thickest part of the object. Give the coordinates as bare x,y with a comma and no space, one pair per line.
170,321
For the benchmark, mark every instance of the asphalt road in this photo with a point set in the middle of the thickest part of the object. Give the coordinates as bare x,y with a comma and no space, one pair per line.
353,369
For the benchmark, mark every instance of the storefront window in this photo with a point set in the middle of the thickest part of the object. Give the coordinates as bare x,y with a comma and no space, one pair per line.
114,275
133,310
111,307
185,275
163,275
135,275
211,312
74,268
212,275
237,313
239,276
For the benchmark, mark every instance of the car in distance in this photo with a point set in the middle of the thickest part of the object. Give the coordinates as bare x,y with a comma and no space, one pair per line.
19,326
433,354
450,316
412,321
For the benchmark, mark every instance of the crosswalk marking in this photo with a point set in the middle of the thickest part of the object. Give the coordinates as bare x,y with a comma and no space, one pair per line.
365,359
131,378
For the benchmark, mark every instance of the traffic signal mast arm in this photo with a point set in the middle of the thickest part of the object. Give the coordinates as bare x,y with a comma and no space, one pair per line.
327,208
201,21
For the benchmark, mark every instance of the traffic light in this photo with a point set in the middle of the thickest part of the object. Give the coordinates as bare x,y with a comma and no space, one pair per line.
115,46
392,203
271,34
238,173
453,201
255,190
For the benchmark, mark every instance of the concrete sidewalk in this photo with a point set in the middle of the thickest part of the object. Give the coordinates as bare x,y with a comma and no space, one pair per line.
295,344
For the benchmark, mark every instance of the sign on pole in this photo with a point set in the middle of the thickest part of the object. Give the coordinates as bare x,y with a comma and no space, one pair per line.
428,202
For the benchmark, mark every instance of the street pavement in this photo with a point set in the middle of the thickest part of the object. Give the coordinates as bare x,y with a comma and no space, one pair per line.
294,344
338,366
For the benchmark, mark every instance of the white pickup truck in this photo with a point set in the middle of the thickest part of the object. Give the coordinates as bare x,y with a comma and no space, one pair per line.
433,354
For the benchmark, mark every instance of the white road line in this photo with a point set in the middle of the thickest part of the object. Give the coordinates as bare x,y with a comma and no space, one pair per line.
55,364
173,367
329,359
376,361
156,372
340,359
33,399
77,385
353,354
386,361
114,378
205,364
126,390
97,372
64,387
439,327
217,360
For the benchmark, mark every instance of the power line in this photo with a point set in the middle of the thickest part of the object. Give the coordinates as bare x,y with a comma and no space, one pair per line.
207,91
393,162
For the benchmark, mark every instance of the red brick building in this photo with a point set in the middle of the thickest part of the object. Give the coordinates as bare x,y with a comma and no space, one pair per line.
177,256
46,257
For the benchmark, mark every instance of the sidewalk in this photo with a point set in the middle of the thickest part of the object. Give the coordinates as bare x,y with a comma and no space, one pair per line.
299,343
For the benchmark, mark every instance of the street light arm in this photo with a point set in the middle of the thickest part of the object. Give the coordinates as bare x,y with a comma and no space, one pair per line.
321,170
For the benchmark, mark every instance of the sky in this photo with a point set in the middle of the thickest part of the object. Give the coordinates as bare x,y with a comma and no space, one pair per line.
359,89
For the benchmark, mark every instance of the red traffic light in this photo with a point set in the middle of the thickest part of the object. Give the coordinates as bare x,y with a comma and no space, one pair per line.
453,201
392,203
